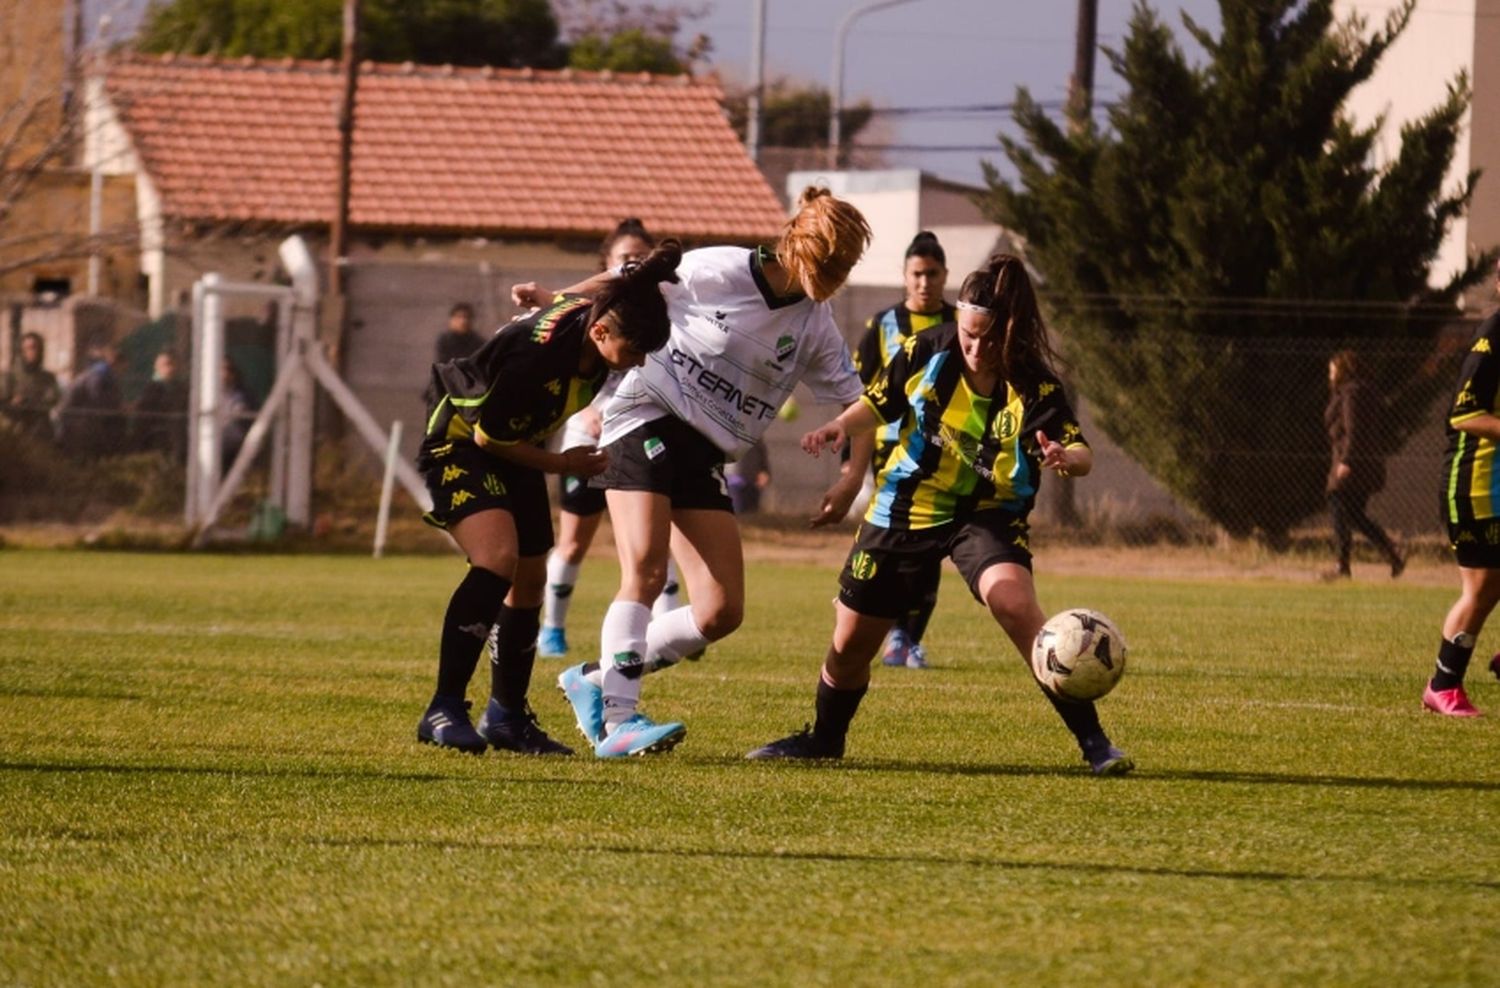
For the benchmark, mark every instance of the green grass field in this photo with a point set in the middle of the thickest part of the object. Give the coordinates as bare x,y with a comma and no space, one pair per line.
209,775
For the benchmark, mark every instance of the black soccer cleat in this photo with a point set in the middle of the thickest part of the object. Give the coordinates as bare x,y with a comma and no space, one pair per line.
517,731
1104,758
446,724
803,744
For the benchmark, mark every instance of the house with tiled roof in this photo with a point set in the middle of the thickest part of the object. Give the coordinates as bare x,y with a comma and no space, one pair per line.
463,182
440,153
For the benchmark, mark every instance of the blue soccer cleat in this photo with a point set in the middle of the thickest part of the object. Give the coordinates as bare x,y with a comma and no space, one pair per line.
446,724
897,648
587,700
552,643
640,736
916,656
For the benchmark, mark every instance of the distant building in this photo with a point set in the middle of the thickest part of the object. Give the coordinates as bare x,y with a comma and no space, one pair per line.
513,167
464,181
1441,41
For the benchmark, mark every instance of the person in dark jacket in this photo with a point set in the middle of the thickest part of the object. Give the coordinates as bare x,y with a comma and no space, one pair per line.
1357,470
31,390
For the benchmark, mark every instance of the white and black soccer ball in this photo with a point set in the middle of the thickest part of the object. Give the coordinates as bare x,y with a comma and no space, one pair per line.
1079,655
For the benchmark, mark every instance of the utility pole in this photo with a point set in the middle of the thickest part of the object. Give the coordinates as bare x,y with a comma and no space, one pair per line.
836,88
1064,500
757,79
1081,84
338,233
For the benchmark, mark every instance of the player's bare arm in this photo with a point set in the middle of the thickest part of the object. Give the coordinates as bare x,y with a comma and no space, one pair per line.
1066,461
580,461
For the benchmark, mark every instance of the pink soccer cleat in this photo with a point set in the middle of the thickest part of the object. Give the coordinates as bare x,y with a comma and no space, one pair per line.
1449,703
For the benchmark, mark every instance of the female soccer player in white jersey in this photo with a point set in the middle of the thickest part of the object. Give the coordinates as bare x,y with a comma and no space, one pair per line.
747,326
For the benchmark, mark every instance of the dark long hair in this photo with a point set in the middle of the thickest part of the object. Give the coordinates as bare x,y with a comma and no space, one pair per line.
1003,287
635,296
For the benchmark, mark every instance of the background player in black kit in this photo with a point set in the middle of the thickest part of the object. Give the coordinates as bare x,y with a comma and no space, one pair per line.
924,274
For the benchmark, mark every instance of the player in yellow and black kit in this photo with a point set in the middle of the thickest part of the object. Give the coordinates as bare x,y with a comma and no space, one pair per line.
981,415
1471,507
924,274
484,463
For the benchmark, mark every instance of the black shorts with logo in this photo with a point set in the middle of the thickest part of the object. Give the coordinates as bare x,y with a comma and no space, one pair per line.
465,480
668,456
1476,543
575,496
885,569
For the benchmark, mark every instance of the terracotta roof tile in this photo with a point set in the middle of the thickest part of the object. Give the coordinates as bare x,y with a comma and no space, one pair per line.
474,151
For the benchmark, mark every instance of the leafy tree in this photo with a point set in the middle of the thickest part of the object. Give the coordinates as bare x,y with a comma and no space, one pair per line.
795,115
1204,252
457,32
632,50
629,37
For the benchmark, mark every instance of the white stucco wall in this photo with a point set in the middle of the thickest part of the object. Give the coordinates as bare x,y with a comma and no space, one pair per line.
1412,79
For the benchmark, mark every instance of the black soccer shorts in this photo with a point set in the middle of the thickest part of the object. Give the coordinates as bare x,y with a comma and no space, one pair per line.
1476,543
889,568
465,480
668,456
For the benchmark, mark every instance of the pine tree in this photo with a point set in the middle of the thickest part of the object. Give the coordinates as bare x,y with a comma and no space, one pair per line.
1227,229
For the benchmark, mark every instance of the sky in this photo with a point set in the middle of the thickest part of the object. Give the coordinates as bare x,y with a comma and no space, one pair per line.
933,53
917,54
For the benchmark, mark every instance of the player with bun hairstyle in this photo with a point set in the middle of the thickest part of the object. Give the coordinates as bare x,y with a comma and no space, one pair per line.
981,415
483,460
581,507
747,327
924,273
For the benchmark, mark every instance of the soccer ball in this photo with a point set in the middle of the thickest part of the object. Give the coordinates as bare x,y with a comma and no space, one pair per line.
1079,655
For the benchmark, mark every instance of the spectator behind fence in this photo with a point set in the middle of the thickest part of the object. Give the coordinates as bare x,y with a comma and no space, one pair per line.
1357,472
91,418
748,478
160,420
236,413
31,391
458,339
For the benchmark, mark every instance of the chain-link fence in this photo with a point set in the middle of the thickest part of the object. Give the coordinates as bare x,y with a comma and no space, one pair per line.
1196,440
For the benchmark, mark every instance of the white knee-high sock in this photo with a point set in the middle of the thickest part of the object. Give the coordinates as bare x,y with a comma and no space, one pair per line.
562,576
622,657
670,597
672,637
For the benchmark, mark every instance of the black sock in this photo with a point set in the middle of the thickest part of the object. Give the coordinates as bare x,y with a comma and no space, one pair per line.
510,667
1082,718
1453,661
471,611
836,709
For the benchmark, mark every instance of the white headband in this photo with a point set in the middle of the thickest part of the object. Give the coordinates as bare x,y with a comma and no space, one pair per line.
971,307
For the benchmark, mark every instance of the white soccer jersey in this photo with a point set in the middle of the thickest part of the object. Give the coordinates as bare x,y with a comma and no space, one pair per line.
736,352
